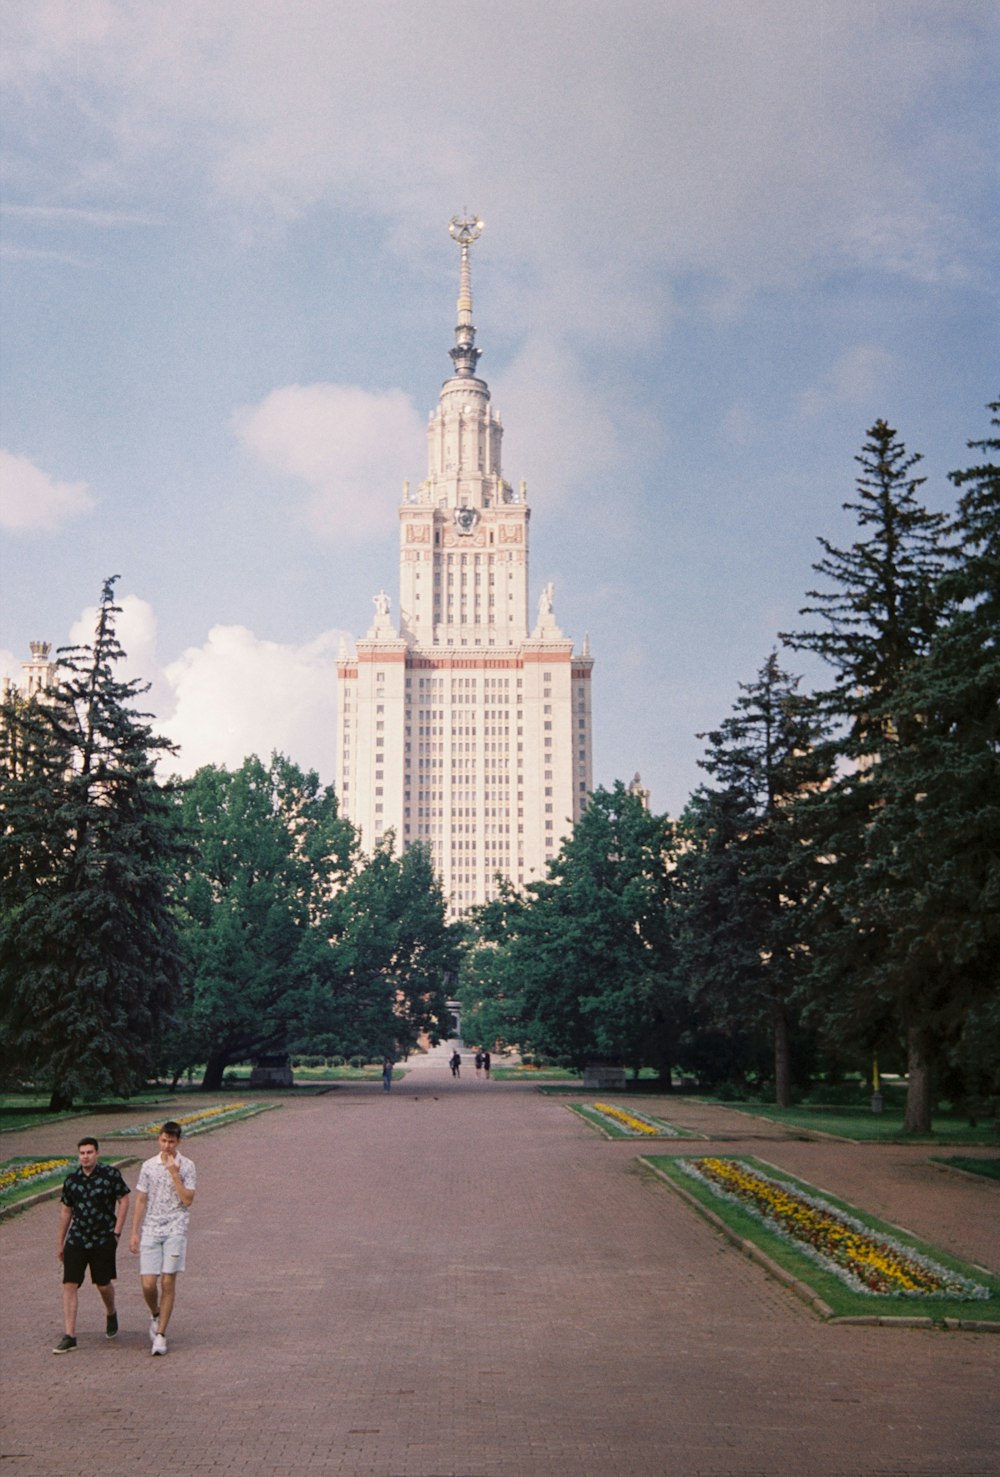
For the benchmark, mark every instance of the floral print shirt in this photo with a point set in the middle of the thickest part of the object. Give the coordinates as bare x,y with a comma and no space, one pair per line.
93,1199
166,1213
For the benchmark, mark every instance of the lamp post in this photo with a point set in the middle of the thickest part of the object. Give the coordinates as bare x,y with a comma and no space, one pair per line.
876,1094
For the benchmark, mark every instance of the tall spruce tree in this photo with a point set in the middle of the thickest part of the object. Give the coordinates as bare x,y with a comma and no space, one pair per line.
934,838
878,621
89,958
741,876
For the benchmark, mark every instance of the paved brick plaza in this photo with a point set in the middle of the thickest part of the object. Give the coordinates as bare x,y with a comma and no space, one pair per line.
465,1279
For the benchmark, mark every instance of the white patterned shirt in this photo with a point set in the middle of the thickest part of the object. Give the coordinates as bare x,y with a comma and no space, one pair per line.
166,1213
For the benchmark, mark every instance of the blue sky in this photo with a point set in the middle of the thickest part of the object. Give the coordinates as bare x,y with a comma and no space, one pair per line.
722,238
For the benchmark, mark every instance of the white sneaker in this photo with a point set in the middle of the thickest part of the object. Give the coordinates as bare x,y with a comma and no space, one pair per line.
159,1344
154,1326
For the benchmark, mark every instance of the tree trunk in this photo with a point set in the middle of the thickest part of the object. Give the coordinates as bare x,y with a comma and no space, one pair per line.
782,1061
60,1099
217,1063
919,1102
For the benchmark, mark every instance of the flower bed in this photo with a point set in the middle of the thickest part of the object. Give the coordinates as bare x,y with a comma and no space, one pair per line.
200,1122
624,1124
870,1262
22,1174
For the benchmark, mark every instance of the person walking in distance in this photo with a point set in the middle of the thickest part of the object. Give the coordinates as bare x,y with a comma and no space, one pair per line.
478,1063
455,1063
486,1064
92,1214
163,1199
387,1066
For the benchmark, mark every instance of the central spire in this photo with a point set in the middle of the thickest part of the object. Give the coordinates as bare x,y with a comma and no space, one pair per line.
465,355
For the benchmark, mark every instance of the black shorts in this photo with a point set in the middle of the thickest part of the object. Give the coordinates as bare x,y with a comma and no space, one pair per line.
100,1260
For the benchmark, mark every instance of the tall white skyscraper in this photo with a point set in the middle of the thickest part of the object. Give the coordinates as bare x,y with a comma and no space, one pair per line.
463,726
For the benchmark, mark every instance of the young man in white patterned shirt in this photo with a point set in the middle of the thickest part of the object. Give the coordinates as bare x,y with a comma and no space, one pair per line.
163,1199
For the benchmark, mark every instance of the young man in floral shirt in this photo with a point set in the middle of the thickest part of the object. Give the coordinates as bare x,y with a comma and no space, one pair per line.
91,1218
163,1199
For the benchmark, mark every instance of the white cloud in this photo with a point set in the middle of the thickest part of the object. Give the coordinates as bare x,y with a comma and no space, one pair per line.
754,143
571,432
351,448
859,376
234,695
73,215
33,502
238,695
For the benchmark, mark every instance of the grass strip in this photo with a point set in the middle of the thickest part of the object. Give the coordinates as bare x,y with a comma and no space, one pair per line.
988,1168
821,1289
206,1120
861,1125
614,1127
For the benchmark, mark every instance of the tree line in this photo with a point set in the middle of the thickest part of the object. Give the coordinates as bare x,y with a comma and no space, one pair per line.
150,925
832,890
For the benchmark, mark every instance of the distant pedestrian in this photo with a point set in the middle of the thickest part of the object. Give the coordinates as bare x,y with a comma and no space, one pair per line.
93,1211
387,1066
486,1063
164,1195
479,1063
455,1063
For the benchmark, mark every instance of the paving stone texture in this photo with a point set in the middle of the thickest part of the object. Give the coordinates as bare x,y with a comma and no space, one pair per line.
464,1280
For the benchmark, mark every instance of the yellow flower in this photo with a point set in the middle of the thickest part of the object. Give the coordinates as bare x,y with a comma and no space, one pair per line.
19,1174
873,1262
633,1124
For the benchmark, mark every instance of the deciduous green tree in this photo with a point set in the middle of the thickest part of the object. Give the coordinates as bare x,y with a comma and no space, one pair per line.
393,949
271,856
583,967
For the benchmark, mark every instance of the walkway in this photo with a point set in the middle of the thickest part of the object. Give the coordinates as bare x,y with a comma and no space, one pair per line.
462,1278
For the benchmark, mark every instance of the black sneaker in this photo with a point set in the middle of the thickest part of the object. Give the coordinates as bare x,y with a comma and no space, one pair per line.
66,1345
111,1327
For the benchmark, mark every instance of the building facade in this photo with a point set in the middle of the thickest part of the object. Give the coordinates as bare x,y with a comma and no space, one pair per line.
465,726
37,674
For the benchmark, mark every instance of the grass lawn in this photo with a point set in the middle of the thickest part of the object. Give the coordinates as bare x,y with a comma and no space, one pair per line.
864,1126
989,1168
28,1110
841,1300
239,1077
534,1074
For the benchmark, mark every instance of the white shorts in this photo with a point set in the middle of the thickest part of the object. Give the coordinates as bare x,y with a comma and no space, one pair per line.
161,1254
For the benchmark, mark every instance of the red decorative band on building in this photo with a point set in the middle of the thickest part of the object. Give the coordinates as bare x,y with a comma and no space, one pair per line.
466,663
550,656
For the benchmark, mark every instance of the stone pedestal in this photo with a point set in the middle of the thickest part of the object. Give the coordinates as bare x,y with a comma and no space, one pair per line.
604,1078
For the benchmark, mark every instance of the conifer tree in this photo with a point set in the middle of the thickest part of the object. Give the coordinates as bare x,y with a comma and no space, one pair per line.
878,622
933,844
88,948
741,877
